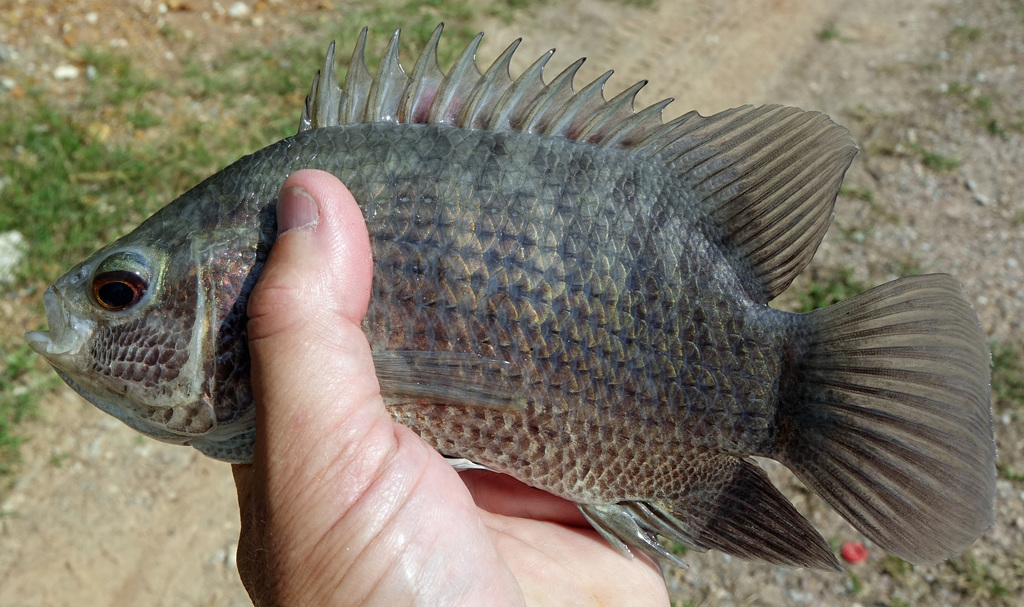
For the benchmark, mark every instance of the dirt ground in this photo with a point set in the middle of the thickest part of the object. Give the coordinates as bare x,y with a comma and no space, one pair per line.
118,520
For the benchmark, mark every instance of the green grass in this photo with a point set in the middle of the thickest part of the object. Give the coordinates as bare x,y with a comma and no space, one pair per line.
854,585
859,193
832,290
975,579
933,160
962,34
896,567
1009,473
678,549
991,111
1007,377
73,192
124,82
829,32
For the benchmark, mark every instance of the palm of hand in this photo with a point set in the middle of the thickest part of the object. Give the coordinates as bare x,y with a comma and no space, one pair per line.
497,543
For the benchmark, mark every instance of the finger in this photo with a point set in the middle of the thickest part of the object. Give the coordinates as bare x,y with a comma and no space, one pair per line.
502,494
243,475
250,554
558,566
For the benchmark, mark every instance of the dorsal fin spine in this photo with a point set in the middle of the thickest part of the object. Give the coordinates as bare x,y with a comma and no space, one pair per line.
568,122
637,127
388,87
523,92
426,79
614,114
492,85
551,100
454,92
357,84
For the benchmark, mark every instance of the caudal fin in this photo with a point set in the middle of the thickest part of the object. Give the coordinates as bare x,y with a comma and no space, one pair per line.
886,415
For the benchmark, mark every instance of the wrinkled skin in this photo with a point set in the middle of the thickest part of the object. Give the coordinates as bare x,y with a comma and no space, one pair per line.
342,505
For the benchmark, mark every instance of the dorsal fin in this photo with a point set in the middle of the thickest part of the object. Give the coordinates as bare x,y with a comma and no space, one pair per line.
473,98
766,176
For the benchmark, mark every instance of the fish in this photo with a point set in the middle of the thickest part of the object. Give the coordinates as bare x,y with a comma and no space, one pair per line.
574,293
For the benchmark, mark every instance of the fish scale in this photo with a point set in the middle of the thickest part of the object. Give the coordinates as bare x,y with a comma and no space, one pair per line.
575,295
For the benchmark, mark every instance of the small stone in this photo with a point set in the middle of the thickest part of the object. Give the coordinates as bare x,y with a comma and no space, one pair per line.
92,18
239,10
91,72
12,251
8,83
65,72
982,199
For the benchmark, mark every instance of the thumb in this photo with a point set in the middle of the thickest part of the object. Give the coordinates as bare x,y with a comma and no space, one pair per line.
313,379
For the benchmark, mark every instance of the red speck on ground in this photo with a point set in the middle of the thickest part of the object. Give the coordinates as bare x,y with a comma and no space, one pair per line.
854,552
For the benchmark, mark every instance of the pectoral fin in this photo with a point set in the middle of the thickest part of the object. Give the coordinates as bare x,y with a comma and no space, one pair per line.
447,378
461,463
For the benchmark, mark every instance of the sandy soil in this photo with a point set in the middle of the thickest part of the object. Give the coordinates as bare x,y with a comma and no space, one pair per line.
118,520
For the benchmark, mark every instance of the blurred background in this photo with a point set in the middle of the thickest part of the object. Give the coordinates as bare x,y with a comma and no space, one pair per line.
109,109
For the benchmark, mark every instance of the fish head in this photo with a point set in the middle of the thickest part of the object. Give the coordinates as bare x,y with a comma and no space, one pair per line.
151,329
129,339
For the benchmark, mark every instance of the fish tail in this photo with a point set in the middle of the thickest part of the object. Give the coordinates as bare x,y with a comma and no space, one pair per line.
886,415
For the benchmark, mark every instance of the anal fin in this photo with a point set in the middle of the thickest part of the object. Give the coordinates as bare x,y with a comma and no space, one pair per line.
741,514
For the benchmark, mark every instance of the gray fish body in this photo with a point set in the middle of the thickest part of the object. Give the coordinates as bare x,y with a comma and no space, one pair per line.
581,304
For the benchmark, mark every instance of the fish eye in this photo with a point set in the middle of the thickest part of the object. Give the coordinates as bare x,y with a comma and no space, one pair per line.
118,290
120,281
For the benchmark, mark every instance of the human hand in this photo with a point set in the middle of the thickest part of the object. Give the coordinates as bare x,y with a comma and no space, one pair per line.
343,506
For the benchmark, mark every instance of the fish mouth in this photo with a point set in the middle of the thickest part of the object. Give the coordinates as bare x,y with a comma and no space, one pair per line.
65,335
